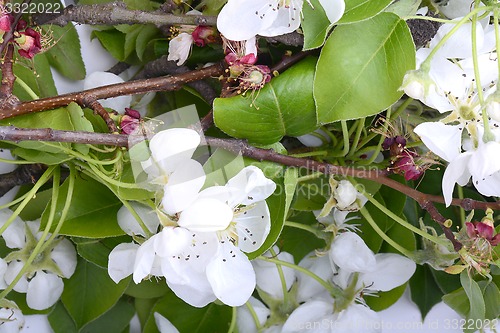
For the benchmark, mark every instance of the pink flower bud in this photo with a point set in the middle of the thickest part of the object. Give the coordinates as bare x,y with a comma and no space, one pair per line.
204,35
130,121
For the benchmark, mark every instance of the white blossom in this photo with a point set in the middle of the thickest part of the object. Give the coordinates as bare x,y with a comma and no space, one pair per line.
243,19
179,48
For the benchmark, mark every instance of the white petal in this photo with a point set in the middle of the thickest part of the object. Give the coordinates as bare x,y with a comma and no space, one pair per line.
44,290
197,295
206,215
3,269
287,20
248,23
459,45
231,275
456,172
144,260
392,271
489,186
13,268
129,224
11,320
253,226
164,325
15,234
254,184
172,147
179,48
486,160
185,255
307,286
251,46
64,255
122,260
98,79
6,154
244,319
350,253
334,9
183,187
443,140
308,315
267,274
358,318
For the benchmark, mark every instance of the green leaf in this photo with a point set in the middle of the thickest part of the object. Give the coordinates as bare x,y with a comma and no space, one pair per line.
315,25
311,194
114,320
90,215
61,321
283,107
446,282
402,236
476,300
404,8
65,55
97,250
188,319
147,33
80,123
424,290
113,41
90,292
279,204
358,10
458,301
369,235
383,300
153,288
491,300
360,79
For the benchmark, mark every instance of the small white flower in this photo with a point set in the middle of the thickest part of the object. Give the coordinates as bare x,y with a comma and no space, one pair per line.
179,48
11,319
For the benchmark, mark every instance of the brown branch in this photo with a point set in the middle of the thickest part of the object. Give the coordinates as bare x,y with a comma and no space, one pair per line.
167,83
163,66
22,175
289,61
116,13
8,79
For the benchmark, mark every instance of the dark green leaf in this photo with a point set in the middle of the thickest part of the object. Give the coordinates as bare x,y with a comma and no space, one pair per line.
90,215
154,288
61,321
385,299
355,80
90,292
187,319
114,320
97,250
424,290
113,41
283,107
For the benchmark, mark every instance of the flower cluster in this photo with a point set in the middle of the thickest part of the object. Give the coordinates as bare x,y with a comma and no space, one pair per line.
27,40
42,280
204,233
468,137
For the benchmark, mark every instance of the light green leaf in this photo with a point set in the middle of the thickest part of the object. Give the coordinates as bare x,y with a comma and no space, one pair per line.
361,68
90,292
404,8
475,295
315,25
283,107
65,55
358,10
113,41
80,123
90,215
147,33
